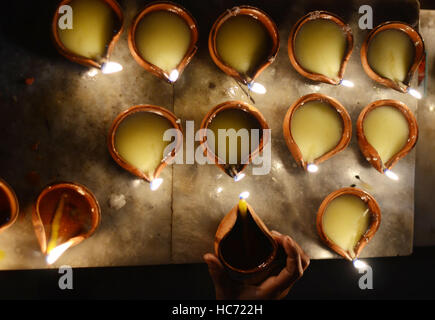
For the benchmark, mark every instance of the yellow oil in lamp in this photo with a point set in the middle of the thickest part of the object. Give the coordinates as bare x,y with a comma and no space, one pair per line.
243,42
136,141
86,31
387,131
316,127
236,116
347,220
163,39
390,55
319,47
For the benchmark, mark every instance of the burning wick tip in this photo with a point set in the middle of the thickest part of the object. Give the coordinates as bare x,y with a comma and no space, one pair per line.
347,83
312,168
111,67
173,76
414,93
156,183
239,177
390,174
358,264
244,195
257,87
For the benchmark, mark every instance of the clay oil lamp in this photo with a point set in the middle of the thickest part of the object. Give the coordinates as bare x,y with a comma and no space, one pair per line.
163,40
9,207
242,43
347,220
316,127
64,215
319,47
387,131
241,117
86,31
245,245
136,141
391,54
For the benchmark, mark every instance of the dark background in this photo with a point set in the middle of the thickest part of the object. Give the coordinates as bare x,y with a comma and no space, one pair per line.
410,277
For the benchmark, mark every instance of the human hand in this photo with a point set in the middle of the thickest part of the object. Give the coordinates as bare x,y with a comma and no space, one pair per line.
274,287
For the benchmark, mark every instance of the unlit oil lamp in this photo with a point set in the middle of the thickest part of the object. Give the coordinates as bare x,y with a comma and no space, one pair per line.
242,43
391,54
64,215
90,37
136,141
319,47
316,127
347,220
163,40
245,245
9,207
387,131
234,115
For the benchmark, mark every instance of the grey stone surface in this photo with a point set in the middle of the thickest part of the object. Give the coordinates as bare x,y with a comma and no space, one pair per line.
287,199
67,113
425,166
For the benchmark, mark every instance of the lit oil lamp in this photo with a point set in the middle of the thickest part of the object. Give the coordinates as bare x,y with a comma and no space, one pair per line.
319,47
64,215
387,131
245,245
347,220
243,42
235,115
316,127
163,40
96,26
391,54
136,141
9,207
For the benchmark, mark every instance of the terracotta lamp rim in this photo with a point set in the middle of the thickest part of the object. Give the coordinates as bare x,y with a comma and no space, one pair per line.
13,204
374,223
228,223
168,115
187,18
325,15
260,16
369,151
81,59
346,122
238,105
419,54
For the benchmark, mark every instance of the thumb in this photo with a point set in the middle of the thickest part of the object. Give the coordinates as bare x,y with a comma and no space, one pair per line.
218,275
214,267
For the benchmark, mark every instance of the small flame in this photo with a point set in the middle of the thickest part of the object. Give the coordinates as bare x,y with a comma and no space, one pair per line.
415,93
239,177
312,168
156,183
257,88
244,195
390,174
358,264
347,83
56,252
93,72
173,76
111,67
219,189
